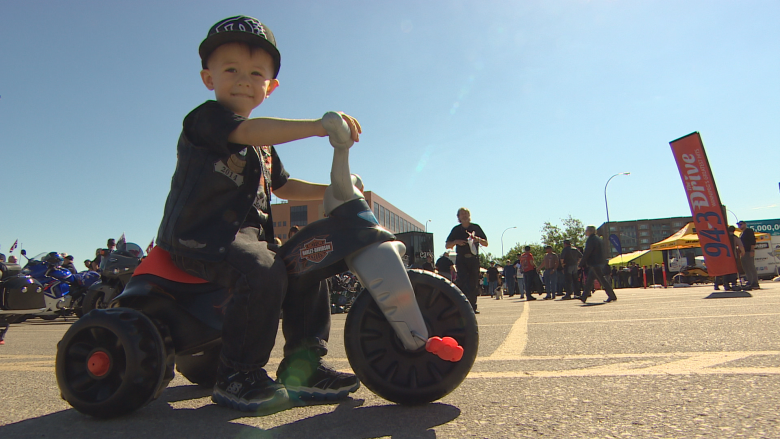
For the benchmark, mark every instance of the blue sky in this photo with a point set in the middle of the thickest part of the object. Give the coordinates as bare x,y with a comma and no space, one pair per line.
519,110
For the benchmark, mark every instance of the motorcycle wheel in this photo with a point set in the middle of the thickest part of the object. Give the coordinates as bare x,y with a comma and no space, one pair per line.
113,361
200,368
412,377
94,299
17,318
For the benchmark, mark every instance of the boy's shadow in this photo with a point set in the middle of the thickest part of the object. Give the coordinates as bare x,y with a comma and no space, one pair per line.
160,420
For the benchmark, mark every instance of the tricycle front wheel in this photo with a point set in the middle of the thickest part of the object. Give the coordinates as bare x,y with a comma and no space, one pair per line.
380,360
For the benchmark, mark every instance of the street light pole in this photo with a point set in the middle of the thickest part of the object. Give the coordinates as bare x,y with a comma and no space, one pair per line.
426,225
606,204
502,239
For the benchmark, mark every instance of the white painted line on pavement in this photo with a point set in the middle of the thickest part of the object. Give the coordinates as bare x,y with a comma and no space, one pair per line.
514,343
722,316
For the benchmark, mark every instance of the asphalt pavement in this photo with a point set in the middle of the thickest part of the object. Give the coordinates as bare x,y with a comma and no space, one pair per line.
656,363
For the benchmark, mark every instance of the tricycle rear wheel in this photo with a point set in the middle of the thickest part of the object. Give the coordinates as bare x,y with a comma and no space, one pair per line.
113,361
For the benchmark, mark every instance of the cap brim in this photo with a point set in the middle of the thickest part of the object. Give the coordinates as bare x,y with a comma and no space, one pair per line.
213,41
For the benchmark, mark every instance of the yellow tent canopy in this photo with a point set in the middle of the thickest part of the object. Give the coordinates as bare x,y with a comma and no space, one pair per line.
687,238
683,238
641,257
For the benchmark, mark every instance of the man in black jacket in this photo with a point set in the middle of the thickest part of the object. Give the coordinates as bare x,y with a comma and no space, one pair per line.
748,239
593,259
569,258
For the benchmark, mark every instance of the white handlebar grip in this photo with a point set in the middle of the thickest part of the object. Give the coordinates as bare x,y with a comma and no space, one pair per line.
338,130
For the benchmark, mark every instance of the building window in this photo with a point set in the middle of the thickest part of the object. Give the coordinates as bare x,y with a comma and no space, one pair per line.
643,227
643,233
299,215
644,241
376,209
382,216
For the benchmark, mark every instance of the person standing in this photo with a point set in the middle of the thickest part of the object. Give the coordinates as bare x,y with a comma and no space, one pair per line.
593,259
492,276
569,259
748,239
509,278
519,273
529,271
466,238
550,265
444,266
428,264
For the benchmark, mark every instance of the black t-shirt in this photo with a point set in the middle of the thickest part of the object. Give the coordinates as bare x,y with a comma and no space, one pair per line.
460,232
443,264
209,127
492,273
748,239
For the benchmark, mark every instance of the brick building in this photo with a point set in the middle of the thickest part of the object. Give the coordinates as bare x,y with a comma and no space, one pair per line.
639,234
301,213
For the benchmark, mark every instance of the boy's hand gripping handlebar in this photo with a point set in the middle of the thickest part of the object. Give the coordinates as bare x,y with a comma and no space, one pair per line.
338,130
341,188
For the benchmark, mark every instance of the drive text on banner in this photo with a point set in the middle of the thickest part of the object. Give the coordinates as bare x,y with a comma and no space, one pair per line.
706,210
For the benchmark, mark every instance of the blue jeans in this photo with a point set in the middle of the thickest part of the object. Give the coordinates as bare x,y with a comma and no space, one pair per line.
492,285
550,282
521,286
509,285
572,283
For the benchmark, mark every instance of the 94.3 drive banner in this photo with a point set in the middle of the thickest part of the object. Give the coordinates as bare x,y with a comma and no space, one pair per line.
706,210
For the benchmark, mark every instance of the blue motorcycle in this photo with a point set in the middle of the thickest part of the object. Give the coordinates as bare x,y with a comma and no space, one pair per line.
62,290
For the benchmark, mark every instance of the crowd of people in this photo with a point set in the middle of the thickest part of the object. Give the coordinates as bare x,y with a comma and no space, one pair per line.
575,273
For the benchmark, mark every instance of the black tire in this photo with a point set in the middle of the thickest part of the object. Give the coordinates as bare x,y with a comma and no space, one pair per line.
17,318
95,299
201,367
382,363
113,361
49,318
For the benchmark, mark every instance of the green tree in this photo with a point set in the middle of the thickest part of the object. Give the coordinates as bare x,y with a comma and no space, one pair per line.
485,258
552,235
573,230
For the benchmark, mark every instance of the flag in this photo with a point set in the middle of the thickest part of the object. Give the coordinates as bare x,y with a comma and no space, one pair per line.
13,247
122,242
709,216
150,247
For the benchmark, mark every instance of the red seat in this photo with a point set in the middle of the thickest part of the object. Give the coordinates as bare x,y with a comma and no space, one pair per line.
158,263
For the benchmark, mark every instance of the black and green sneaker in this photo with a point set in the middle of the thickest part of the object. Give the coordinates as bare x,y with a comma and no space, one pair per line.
249,391
309,377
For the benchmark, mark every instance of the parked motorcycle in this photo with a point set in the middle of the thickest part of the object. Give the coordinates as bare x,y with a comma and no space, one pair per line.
344,288
63,290
18,294
114,361
116,269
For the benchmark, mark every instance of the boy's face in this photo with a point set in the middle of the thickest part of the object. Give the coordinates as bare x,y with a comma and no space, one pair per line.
241,78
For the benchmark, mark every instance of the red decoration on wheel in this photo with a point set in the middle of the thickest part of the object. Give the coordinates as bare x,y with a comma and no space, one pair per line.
445,348
99,363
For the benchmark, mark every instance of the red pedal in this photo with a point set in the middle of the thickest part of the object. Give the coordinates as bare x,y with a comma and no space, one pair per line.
445,348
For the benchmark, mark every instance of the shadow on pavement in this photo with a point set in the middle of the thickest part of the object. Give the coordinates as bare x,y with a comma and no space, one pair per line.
159,420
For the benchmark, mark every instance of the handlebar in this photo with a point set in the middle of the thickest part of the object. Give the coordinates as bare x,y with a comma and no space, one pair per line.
338,130
341,188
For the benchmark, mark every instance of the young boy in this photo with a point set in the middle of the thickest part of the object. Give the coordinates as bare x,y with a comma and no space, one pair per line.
217,224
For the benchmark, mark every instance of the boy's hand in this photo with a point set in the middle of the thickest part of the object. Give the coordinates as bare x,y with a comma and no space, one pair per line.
354,127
